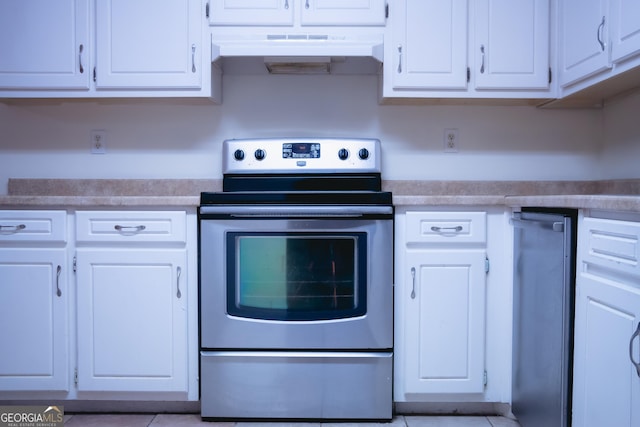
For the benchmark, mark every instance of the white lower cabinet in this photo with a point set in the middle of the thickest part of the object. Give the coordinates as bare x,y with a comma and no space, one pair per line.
104,311
132,293
606,383
34,354
445,313
34,302
440,304
132,320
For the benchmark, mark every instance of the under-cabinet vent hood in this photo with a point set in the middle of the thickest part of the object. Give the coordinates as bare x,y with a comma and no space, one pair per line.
298,54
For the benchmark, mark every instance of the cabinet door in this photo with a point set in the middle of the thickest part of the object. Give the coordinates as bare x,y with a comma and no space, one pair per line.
429,44
444,321
511,44
625,29
44,44
132,323
606,386
34,354
251,12
583,36
343,12
148,44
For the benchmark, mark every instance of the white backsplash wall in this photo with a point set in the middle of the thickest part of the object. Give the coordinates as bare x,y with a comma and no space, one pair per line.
182,139
621,157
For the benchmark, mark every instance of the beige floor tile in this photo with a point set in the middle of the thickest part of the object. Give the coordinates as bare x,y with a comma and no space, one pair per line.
277,424
445,421
185,420
503,422
110,420
397,421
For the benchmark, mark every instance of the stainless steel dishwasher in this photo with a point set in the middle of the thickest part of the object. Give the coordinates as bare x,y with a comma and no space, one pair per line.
543,311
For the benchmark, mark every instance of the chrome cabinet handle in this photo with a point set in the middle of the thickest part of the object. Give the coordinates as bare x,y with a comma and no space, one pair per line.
129,228
193,58
179,273
599,34
413,286
399,59
635,335
482,66
80,49
12,228
58,271
443,229
286,4
306,4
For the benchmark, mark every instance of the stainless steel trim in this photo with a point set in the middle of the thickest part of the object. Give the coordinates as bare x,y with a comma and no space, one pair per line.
311,385
304,211
371,331
543,225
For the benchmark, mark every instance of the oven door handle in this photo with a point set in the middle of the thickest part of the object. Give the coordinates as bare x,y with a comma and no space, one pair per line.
245,211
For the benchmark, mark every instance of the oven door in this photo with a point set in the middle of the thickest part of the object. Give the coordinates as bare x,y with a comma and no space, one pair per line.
296,280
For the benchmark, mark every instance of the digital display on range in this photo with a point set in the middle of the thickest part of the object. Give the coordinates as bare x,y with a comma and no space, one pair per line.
301,150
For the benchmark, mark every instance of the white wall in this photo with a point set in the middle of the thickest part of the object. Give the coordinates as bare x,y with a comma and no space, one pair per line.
174,139
621,154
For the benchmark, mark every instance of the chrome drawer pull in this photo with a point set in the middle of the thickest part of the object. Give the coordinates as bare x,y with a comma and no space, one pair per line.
445,229
129,228
413,278
58,271
179,273
12,228
635,335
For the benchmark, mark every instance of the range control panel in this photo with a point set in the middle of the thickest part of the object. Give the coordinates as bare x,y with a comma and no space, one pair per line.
301,155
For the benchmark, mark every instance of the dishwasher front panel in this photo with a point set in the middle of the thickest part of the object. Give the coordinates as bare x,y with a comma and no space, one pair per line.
544,283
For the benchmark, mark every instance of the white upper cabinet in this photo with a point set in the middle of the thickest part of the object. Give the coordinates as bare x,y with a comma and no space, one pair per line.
511,44
251,12
462,49
141,44
583,39
105,49
625,29
428,46
342,12
288,12
44,44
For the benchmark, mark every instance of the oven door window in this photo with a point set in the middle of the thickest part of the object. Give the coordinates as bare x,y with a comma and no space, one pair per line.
296,276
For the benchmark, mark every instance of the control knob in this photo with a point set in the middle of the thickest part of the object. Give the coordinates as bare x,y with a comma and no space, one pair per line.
343,154
363,153
260,154
238,154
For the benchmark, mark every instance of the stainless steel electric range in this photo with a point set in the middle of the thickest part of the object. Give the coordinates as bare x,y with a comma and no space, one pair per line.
296,283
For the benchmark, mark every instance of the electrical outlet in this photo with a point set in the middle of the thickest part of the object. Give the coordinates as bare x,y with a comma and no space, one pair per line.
451,140
98,142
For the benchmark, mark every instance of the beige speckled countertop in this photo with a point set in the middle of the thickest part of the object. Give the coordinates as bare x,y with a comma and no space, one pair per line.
30,193
623,195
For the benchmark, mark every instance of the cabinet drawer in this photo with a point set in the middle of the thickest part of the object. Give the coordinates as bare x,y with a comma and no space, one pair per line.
612,243
33,226
131,226
446,227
